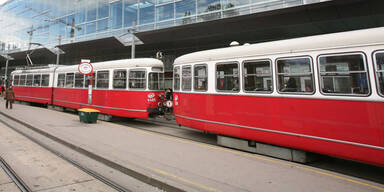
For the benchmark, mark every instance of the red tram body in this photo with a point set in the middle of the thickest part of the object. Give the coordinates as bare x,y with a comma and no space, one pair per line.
335,105
126,88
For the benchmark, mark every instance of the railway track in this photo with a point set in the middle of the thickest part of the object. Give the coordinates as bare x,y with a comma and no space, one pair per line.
14,177
23,187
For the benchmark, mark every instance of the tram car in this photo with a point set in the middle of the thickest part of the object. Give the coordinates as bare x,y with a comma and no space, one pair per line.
126,88
34,85
323,94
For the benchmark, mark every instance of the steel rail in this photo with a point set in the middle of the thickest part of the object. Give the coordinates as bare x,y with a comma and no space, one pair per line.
15,178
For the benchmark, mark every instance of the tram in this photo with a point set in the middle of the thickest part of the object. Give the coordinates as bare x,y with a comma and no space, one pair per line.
126,88
323,94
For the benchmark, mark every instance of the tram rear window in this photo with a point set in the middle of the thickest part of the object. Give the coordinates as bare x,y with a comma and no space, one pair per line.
29,80
45,80
186,78
227,77
137,79
120,79
257,76
379,66
61,80
156,81
36,80
295,75
69,80
176,78
200,82
102,79
343,74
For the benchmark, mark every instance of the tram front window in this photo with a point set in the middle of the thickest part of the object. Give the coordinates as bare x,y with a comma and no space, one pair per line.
156,81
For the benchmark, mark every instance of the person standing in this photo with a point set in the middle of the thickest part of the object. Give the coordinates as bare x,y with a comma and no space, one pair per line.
9,96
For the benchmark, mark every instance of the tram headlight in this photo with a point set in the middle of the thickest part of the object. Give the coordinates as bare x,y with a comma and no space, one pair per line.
169,104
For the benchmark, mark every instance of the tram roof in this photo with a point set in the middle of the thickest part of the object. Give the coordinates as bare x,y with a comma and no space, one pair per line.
123,63
372,36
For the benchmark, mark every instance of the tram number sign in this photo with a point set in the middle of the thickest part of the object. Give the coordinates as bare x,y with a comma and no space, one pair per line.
85,67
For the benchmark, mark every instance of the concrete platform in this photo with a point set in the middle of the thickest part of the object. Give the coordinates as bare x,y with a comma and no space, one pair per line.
40,169
185,164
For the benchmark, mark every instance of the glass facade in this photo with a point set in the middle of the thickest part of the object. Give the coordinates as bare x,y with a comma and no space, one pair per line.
53,22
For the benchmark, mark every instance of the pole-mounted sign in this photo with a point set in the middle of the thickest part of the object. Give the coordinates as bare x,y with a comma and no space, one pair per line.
86,68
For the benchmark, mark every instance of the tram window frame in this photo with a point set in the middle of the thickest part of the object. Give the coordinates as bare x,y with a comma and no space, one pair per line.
365,64
29,81
61,80
160,80
44,80
102,83
176,80
130,80
22,81
69,82
196,77
79,80
16,80
186,79
380,89
119,79
256,75
294,76
36,80
233,90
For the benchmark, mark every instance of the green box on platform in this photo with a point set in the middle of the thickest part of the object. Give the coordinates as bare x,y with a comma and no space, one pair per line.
88,115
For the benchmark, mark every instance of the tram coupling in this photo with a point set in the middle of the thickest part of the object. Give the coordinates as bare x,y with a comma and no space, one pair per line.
165,104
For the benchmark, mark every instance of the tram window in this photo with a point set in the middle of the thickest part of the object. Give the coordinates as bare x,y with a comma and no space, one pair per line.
45,80
176,78
102,79
88,80
343,74
379,66
69,80
295,75
79,80
137,79
61,80
156,81
186,78
22,80
16,80
200,82
257,76
227,77
29,80
120,79
36,80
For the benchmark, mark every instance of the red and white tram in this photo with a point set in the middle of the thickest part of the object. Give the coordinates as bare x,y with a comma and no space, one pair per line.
126,88
323,93
35,85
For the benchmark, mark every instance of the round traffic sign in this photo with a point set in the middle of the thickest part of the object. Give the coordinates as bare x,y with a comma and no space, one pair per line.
85,68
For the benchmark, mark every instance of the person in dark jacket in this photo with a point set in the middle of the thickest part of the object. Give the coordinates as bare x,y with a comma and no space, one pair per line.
9,96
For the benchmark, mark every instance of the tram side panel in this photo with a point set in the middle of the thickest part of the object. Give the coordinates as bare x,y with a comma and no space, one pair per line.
70,98
33,94
338,128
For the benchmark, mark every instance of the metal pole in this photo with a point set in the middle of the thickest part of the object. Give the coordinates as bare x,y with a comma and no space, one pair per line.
133,40
6,69
58,52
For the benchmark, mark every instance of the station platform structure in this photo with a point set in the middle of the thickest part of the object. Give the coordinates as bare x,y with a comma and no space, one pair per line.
181,164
